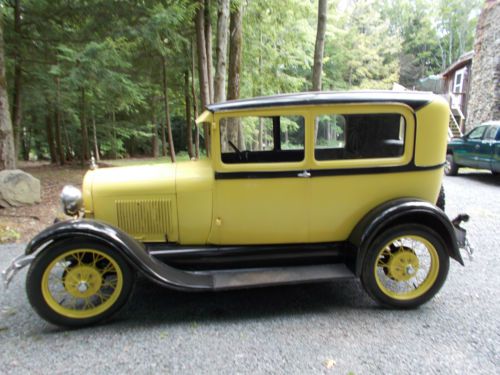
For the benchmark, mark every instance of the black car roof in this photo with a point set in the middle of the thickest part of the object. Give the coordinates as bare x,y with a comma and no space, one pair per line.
414,99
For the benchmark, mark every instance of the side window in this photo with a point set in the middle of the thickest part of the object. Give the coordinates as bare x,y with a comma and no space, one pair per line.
359,136
262,139
491,134
477,133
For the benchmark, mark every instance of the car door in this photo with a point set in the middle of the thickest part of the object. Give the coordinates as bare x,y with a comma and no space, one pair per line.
468,154
489,153
260,178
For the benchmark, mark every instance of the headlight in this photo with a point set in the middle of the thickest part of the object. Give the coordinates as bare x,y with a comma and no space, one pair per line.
71,199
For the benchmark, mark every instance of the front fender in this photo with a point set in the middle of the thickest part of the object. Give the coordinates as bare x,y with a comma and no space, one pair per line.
133,251
401,211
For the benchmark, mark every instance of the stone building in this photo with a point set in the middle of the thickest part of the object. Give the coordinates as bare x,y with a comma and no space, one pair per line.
484,101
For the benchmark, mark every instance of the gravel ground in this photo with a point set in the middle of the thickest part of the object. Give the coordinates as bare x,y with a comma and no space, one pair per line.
312,329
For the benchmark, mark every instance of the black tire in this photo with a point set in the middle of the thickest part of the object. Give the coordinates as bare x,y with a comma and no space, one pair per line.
74,258
441,201
376,269
450,168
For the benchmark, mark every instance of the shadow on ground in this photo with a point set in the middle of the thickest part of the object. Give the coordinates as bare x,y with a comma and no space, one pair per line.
152,305
483,177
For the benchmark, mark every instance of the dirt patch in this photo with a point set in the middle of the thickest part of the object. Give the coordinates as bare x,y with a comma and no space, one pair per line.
22,223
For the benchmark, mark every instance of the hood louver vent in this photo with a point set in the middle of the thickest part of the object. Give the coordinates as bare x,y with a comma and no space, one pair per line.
145,217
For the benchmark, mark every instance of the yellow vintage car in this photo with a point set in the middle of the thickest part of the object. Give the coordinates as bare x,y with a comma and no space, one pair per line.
309,187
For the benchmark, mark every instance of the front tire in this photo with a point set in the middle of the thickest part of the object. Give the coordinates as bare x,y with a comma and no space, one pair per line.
405,267
77,283
450,168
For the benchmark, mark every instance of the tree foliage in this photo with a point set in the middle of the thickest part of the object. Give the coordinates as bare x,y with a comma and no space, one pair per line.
92,70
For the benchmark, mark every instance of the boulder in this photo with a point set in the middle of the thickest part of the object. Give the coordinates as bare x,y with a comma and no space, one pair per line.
18,188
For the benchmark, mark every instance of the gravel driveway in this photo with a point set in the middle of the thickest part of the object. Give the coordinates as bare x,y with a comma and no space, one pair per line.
328,328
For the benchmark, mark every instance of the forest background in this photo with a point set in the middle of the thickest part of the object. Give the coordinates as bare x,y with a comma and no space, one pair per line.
126,78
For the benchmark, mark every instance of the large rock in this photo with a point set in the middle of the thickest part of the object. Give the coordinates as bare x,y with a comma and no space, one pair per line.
18,188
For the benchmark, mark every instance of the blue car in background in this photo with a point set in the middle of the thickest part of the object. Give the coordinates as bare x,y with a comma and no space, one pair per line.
479,148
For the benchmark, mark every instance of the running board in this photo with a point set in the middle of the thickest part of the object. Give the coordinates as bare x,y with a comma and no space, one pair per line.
246,278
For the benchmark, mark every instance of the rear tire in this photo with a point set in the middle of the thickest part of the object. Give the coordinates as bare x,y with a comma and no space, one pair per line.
441,201
405,267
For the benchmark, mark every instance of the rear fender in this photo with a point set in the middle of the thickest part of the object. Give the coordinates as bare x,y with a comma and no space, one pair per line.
402,211
133,251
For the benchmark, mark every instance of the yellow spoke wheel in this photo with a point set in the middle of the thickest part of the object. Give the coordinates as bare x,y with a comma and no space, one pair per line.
406,266
75,284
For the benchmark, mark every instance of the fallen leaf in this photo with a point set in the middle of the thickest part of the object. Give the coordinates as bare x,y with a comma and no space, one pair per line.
329,363
8,312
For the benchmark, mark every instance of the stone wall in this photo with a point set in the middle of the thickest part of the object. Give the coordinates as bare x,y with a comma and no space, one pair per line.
484,102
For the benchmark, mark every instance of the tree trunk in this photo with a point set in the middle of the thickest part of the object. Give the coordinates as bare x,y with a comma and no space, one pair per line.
8,157
96,145
319,46
163,140
202,68
235,51
67,142
154,130
26,139
167,111
189,125
17,95
85,133
114,148
195,107
208,44
221,48
57,123
50,136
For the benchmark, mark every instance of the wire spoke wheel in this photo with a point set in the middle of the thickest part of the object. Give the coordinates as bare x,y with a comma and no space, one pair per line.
77,286
82,283
406,266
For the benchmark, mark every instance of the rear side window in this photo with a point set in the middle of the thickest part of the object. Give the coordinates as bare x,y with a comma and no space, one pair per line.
262,139
493,134
359,136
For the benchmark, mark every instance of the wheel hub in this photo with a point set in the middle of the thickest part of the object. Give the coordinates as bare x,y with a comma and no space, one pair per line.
403,265
83,281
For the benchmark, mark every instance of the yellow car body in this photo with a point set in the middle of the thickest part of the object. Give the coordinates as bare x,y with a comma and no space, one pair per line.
297,188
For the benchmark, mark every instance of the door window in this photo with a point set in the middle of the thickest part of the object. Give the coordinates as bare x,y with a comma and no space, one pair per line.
477,133
262,139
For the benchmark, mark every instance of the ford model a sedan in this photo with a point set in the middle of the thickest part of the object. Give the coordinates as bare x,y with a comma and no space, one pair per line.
297,188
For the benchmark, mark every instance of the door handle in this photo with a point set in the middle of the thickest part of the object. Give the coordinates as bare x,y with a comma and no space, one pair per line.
477,146
304,174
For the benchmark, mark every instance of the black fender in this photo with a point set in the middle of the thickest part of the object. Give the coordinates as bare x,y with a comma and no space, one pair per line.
133,251
401,211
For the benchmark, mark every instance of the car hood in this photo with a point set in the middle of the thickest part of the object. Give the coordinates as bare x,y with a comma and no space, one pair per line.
131,181
148,180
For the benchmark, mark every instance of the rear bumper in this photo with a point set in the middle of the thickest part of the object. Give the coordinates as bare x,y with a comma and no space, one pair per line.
461,234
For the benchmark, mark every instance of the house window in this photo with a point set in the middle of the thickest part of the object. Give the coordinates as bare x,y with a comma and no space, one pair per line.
458,82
